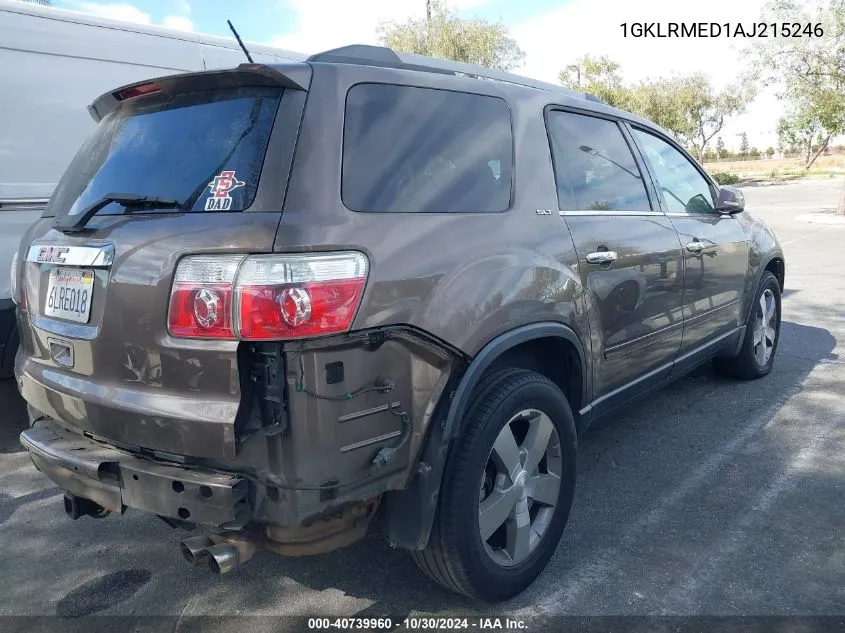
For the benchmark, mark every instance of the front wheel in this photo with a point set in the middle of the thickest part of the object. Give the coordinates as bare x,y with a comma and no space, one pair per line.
507,488
757,355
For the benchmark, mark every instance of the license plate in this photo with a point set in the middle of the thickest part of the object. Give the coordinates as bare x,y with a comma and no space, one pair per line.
69,293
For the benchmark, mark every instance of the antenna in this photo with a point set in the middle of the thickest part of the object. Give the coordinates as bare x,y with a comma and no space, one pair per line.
238,37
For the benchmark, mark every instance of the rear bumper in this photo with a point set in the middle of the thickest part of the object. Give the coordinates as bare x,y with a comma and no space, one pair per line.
117,480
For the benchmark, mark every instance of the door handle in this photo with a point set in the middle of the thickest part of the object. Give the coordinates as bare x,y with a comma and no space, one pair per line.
602,257
695,247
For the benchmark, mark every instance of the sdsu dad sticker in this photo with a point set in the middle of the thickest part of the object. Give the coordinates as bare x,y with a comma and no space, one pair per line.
221,186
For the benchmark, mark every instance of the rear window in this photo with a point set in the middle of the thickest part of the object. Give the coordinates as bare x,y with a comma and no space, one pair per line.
202,149
412,150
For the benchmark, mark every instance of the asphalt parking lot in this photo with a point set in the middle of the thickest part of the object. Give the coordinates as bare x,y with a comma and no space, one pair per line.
713,497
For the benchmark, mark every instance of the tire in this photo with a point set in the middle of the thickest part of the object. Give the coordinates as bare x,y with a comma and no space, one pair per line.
751,362
504,563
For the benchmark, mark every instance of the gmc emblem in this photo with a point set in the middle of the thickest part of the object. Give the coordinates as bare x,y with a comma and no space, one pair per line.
52,254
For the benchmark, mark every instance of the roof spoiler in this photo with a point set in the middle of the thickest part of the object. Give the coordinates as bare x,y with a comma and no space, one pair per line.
295,76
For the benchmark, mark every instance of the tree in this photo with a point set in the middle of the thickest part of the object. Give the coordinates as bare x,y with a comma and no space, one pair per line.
687,105
443,34
800,130
598,76
706,110
810,71
743,145
720,148
770,151
663,101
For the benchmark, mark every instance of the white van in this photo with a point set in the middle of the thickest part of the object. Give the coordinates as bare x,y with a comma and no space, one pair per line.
53,64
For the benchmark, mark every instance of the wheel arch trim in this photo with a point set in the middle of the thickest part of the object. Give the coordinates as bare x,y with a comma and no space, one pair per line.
758,276
492,351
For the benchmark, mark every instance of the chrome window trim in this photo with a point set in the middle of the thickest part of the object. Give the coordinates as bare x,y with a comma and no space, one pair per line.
585,212
716,214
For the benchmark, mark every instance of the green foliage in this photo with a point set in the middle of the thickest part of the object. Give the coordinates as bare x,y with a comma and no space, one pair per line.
810,72
597,76
687,105
721,151
666,102
725,178
706,110
800,129
447,36
770,151
743,144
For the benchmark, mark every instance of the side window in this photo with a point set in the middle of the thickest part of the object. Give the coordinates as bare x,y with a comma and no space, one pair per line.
594,167
420,150
685,190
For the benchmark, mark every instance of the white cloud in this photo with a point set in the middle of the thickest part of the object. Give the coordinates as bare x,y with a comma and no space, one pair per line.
178,22
332,23
123,12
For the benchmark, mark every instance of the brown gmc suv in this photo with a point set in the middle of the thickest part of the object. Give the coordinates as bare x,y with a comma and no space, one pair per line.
282,301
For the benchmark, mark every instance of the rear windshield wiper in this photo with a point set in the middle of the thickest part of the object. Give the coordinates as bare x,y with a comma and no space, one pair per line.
73,223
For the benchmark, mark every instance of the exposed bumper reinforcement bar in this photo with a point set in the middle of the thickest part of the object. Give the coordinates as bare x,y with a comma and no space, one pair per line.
117,480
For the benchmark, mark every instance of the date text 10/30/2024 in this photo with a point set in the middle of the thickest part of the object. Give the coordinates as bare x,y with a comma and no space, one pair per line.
418,624
721,29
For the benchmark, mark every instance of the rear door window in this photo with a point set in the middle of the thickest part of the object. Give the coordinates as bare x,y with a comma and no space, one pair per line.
420,150
202,149
594,167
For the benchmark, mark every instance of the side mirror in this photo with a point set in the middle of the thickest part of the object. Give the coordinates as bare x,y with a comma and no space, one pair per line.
730,200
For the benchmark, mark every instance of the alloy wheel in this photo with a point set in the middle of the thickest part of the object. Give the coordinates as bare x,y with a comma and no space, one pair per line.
764,331
520,487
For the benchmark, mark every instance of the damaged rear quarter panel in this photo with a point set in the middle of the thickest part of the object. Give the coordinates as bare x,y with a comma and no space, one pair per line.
330,439
462,279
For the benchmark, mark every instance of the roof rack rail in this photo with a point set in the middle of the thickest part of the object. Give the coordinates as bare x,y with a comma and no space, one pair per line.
383,56
367,55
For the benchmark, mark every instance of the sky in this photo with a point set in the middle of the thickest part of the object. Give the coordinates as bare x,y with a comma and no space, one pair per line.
553,33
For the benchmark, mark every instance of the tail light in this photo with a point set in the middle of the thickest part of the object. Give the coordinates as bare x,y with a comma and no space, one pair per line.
136,91
294,296
201,298
266,297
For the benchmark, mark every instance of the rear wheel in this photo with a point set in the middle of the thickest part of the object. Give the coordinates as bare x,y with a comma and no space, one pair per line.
757,355
507,489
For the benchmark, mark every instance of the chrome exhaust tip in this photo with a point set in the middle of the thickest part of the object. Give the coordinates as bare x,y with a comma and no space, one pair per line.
195,549
222,558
